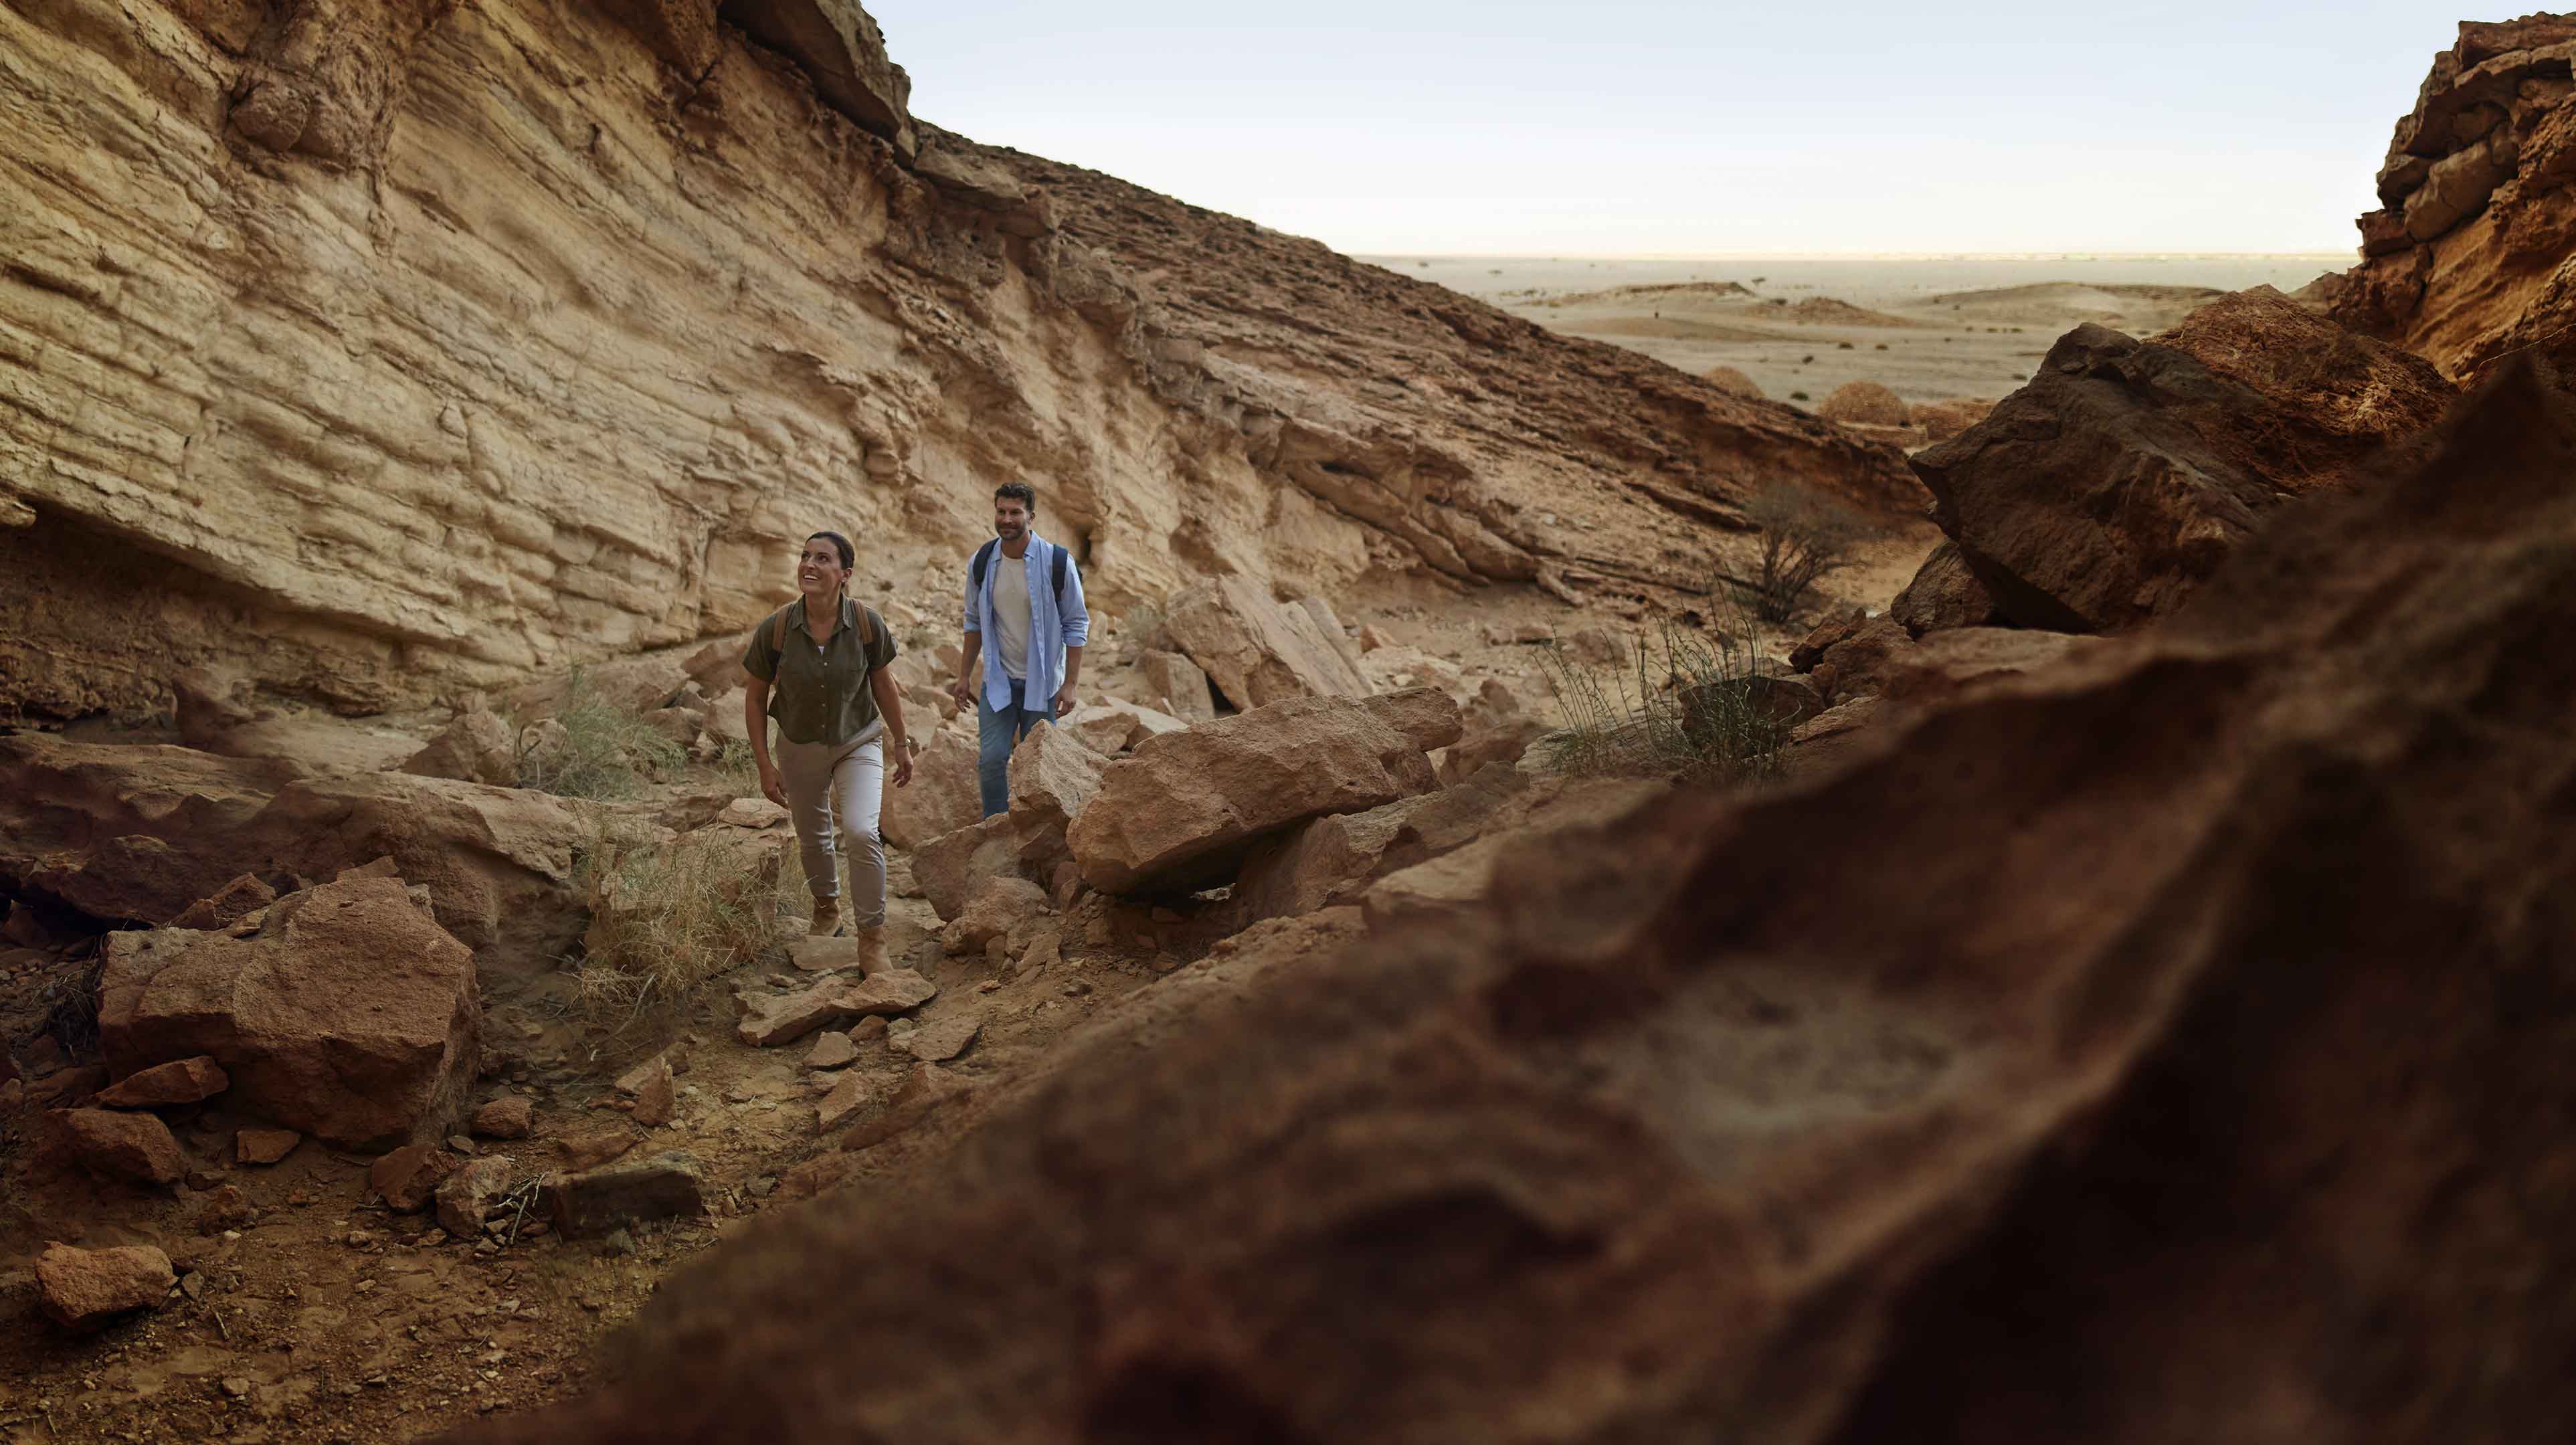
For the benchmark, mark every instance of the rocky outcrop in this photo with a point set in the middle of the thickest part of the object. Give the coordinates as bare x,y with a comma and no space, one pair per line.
1256,650
2102,493
349,1015
2472,255
839,48
390,350
1181,810
144,833
2056,1075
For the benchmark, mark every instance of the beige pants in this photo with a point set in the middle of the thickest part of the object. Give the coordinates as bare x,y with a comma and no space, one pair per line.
841,783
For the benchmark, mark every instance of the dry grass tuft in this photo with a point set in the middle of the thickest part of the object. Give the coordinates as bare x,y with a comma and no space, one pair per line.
606,751
667,918
1693,706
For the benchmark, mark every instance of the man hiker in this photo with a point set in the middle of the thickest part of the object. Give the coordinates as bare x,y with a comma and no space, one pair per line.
1024,593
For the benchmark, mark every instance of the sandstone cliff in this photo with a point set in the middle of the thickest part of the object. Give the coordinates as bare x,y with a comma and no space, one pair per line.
380,349
2473,255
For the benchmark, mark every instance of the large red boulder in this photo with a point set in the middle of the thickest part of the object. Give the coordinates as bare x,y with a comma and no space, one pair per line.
349,1015
2102,493
1180,811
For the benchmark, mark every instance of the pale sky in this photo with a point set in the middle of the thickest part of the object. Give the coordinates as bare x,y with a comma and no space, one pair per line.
1621,127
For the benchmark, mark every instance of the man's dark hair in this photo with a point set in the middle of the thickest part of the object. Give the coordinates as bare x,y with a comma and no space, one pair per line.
1021,492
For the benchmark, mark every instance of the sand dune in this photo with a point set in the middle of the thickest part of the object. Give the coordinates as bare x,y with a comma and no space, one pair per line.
2128,307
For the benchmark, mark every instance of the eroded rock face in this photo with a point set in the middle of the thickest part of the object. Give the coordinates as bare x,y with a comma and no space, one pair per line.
1256,650
2102,493
606,434
349,1016
144,833
2090,1039
1180,811
2467,260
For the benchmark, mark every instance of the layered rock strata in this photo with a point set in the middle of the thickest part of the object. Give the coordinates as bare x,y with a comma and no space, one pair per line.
387,349
2472,255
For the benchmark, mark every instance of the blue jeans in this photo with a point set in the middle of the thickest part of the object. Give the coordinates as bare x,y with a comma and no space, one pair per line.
996,733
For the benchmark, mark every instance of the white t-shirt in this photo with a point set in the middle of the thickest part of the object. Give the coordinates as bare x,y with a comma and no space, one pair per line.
1011,613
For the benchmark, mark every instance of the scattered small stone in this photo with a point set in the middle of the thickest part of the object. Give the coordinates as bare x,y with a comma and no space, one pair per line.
655,1102
1076,989
264,1146
407,1178
845,1099
871,1027
941,1040
512,1116
988,986
762,1187
665,1186
83,1289
463,1145
831,1051
237,1387
184,1081
134,1148
224,1209
466,1197
617,1242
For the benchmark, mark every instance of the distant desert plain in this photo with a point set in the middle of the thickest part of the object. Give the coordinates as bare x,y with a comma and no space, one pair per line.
1930,328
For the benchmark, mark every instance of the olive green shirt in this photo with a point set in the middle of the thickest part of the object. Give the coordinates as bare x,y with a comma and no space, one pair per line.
820,694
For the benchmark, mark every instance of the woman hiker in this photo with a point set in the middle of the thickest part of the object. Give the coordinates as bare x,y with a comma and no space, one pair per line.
818,665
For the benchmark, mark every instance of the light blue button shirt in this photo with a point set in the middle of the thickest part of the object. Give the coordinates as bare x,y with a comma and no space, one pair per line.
1054,623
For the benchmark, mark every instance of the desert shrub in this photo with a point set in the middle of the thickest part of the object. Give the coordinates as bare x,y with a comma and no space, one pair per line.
668,917
606,751
735,765
1702,706
1804,537
1797,396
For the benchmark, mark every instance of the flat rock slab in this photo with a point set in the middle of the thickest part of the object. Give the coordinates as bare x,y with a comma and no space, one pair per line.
83,1289
845,1099
182,1081
667,1186
831,1051
264,1146
940,1041
823,955
789,1017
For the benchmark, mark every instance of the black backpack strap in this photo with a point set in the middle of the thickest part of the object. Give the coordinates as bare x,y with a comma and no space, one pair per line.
983,554
1061,557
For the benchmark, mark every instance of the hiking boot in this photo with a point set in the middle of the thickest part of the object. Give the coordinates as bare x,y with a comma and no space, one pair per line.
872,953
827,919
